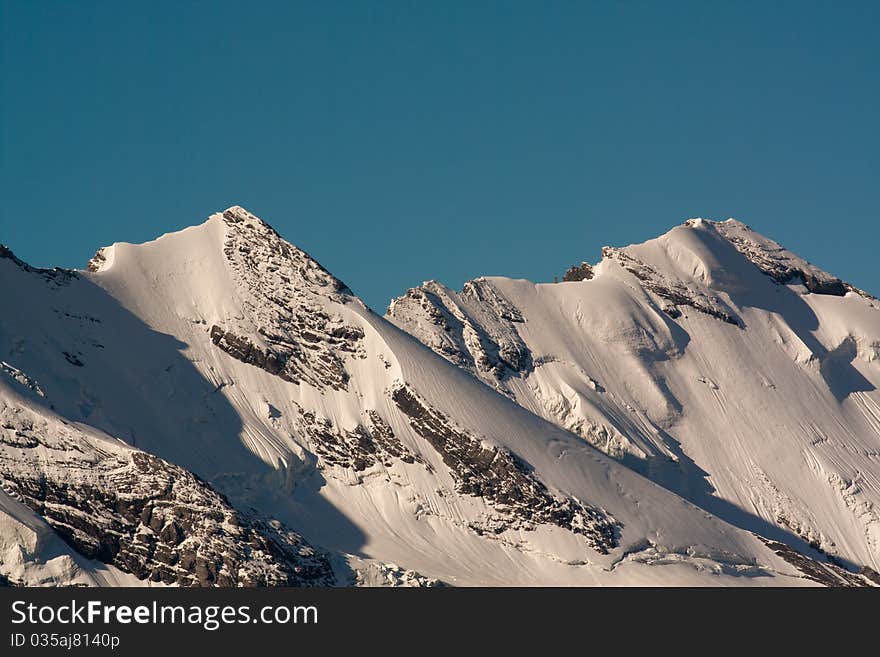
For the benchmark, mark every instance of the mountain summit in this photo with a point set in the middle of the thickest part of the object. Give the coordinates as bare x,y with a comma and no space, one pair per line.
215,408
711,359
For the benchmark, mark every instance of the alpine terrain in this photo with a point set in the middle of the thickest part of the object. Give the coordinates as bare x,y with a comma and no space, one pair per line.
214,408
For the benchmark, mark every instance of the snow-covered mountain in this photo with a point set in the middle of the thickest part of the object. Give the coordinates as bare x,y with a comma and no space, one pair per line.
215,408
710,359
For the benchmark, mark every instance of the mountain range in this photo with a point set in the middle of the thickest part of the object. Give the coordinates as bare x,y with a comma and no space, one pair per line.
214,408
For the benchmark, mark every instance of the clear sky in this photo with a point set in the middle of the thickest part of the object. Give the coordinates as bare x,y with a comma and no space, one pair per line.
398,142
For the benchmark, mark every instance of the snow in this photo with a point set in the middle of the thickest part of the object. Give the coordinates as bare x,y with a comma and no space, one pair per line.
766,423
606,362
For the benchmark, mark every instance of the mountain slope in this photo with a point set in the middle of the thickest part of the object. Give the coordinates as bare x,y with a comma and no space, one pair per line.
710,359
226,352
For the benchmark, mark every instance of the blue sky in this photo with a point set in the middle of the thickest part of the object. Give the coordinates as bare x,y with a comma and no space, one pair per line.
398,142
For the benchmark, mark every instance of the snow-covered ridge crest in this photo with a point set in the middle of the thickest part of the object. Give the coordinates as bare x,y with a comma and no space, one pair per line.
56,276
712,360
224,351
778,262
261,299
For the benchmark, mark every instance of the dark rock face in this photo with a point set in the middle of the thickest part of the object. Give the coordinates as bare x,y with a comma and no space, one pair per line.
784,272
502,352
777,263
259,247
97,261
143,515
581,272
387,443
871,574
318,363
814,284
827,574
675,292
419,301
359,448
477,333
483,293
285,303
247,352
503,480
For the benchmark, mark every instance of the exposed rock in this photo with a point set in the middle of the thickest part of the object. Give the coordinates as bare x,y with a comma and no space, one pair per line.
780,264
286,330
375,573
676,292
581,272
871,574
359,448
97,261
143,515
827,574
247,352
483,293
503,480
475,330
387,443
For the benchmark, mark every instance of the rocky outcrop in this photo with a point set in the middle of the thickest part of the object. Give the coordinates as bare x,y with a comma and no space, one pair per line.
287,329
780,264
376,573
246,351
481,292
827,574
358,449
503,480
476,329
98,261
144,515
870,574
422,309
675,293
581,272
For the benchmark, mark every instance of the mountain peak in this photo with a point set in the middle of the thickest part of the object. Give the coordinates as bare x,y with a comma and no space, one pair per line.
254,245
697,222
224,351
700,222
779,263
705,255
237,235
238,215
237,209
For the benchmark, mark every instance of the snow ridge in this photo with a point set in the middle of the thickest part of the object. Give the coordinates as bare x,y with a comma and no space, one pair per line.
630,355
211,407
